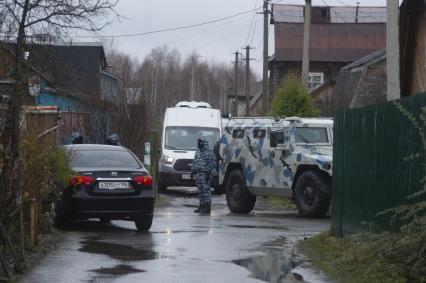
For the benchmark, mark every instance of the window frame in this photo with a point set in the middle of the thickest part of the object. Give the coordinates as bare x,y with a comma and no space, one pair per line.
262,136
234,136
311,81
317,127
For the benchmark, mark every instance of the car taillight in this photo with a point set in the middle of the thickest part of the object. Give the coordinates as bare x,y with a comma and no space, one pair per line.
81,180
143,180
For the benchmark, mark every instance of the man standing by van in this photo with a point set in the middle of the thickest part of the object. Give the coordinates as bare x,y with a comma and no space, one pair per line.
204,163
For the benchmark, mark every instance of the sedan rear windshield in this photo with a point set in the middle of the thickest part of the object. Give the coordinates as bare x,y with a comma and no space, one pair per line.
103,158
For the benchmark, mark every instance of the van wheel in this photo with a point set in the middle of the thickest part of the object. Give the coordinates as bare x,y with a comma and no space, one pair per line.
143,223
238,198
313,194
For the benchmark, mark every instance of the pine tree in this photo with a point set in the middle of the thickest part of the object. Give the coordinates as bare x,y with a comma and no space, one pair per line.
293,99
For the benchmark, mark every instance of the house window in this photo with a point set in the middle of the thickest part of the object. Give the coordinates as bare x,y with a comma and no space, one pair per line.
315,79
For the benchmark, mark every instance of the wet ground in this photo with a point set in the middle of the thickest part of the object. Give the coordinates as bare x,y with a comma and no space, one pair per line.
185,247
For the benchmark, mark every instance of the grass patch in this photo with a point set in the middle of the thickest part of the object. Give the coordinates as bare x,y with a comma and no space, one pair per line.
280,202
367,258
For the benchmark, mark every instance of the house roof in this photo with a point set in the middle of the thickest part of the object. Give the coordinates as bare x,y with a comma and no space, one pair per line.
319,88
347,92
75,68
330,40
257,93
368,59
283,13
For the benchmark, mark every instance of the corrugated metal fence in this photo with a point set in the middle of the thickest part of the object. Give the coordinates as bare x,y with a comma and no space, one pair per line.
371,172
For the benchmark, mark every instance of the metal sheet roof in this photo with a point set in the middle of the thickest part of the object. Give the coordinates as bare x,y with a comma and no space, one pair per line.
320,14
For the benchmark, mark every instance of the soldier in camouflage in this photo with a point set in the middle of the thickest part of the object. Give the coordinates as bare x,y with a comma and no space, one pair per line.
204,163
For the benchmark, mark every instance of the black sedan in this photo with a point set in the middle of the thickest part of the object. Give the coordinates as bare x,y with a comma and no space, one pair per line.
110,184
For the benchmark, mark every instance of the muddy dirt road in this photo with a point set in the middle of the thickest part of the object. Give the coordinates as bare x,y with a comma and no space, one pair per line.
184,247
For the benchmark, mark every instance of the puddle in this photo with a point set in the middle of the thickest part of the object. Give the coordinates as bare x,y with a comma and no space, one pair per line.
118,270
259,227
181,231
190,205
273,267
117,251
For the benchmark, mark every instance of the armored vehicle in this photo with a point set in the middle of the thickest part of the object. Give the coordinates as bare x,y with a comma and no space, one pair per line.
289,157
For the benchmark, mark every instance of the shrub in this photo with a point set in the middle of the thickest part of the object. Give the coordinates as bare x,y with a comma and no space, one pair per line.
293,99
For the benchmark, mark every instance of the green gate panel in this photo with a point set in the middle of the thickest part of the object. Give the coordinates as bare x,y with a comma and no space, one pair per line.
371,172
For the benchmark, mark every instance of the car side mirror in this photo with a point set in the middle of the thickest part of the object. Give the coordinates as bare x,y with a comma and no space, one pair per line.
273,140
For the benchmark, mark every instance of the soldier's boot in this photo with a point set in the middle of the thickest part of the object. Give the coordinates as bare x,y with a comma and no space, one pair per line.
205,209
198,210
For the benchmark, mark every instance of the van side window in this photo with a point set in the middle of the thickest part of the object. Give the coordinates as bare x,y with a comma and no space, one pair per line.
238,134
259,134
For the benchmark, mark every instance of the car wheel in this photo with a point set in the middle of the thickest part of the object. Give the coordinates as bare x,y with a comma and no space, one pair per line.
312,194
238,198
143,223
60,220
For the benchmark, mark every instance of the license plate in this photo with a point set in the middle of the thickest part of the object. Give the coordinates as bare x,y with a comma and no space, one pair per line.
186,177
113,185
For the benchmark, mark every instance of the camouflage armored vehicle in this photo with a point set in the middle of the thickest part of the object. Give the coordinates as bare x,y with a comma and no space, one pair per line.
289,157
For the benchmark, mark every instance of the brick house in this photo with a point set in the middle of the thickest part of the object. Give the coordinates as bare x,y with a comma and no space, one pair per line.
339,36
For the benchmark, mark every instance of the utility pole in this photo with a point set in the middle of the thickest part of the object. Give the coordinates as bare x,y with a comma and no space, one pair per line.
194,62
192,81
392,47
248,80
234,106
265,55
306,43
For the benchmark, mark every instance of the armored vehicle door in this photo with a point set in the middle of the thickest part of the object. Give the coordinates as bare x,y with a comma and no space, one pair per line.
278,151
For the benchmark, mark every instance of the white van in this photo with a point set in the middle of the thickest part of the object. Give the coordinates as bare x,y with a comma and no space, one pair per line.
182,126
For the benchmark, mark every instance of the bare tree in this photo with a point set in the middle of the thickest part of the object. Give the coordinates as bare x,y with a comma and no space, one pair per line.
20,19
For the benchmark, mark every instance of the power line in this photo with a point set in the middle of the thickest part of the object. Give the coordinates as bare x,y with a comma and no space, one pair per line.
251,24
360,11
174,28
253,33
355,29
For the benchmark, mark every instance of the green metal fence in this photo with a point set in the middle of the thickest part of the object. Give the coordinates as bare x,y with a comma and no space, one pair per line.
371,172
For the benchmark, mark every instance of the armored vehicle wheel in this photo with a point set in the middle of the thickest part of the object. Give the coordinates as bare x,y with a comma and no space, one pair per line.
219,190
238,197
312,194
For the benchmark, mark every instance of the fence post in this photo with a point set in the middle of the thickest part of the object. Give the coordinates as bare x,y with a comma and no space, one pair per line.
33,222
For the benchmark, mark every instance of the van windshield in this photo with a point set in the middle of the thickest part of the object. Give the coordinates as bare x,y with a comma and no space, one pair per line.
185,138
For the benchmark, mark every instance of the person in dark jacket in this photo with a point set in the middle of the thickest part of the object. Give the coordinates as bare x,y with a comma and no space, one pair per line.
204,163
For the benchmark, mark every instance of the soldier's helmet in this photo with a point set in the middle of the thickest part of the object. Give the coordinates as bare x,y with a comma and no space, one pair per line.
113,139
76,138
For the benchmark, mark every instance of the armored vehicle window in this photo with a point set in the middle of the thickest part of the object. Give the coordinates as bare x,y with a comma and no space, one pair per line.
238,134
311,135
280,137
276,138
259,134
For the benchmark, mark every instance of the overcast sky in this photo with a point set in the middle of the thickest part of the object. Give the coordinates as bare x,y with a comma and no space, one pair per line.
214,42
